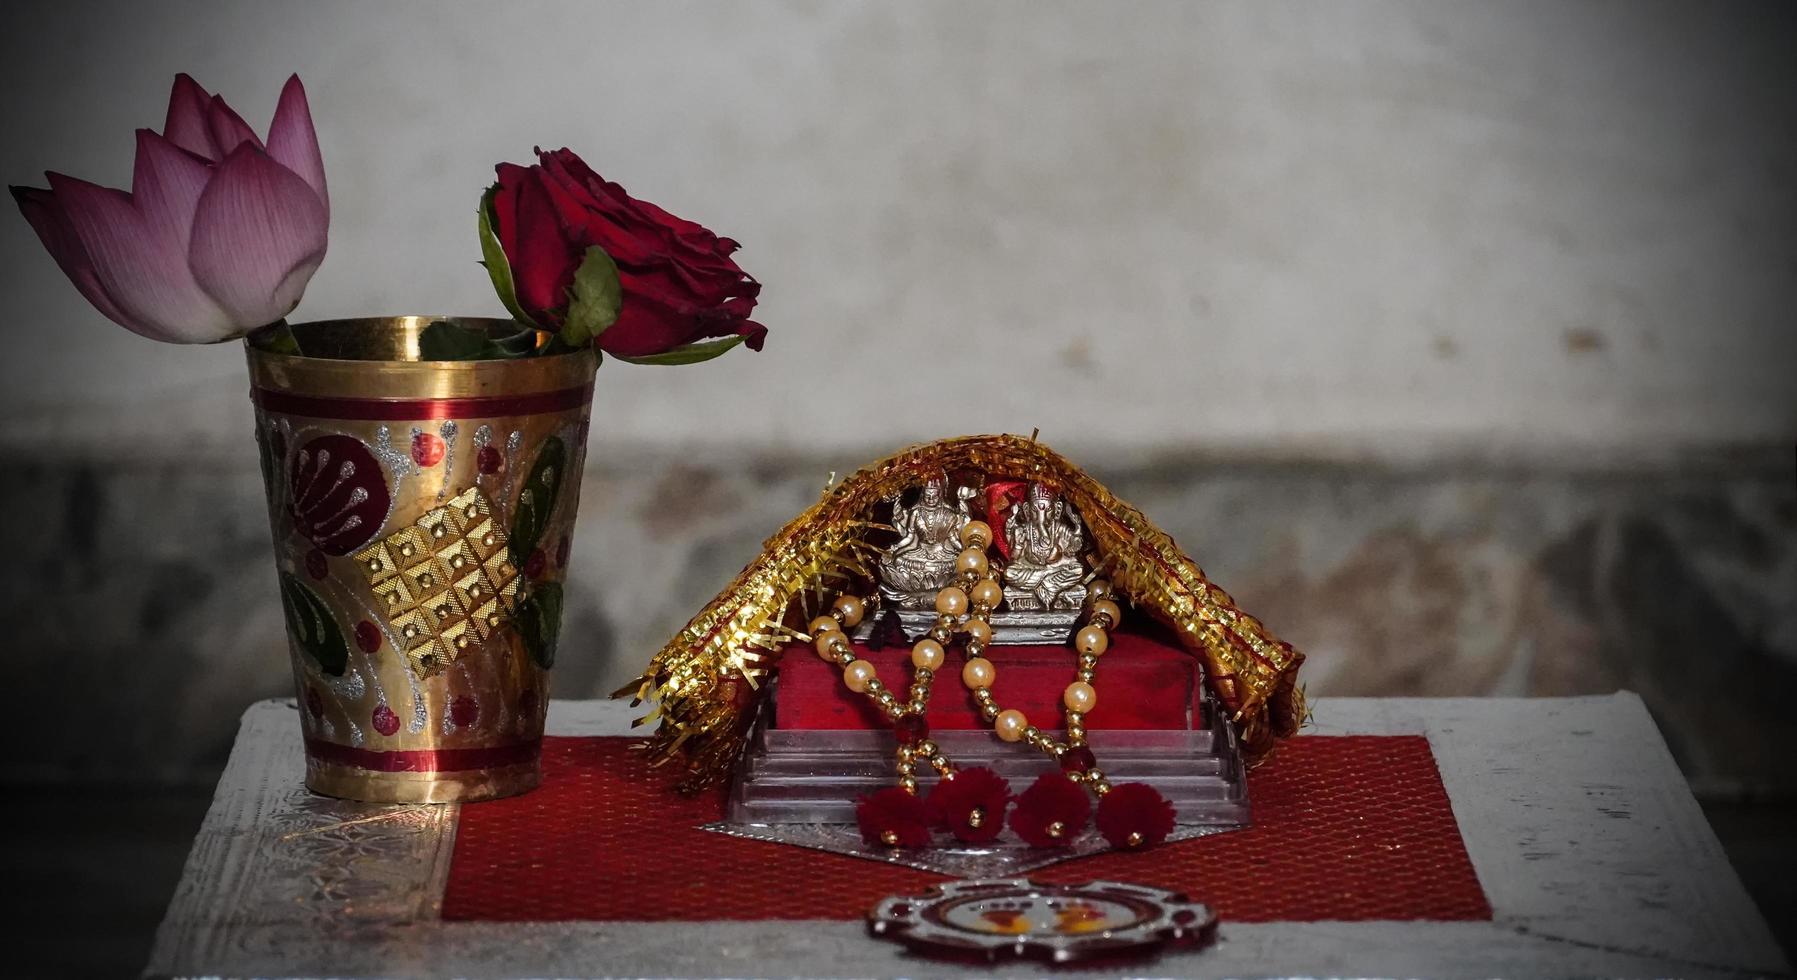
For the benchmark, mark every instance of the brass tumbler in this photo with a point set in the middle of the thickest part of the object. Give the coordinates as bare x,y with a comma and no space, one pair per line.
421,513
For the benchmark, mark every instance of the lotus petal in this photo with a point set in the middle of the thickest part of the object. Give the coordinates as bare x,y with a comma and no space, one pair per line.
186,125
166,185
41,210
228,128
141,265
293,143
258,235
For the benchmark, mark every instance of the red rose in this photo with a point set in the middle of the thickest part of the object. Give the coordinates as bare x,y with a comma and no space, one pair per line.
680,288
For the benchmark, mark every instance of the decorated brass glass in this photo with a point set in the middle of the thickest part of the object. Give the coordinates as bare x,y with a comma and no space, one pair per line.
421,513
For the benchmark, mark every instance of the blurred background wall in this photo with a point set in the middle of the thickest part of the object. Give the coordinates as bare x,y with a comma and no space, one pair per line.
1458,341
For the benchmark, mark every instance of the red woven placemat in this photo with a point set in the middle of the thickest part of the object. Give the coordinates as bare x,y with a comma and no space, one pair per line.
1345,828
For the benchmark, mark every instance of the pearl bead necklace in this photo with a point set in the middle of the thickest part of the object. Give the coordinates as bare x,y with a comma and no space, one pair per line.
966,606
1079,697
976,590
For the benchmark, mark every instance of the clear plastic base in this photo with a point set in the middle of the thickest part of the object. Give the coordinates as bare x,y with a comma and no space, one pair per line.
813,776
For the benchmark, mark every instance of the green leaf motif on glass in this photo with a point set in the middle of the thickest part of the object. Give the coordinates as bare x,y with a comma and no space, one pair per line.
536,501
594,300
310,624
539,619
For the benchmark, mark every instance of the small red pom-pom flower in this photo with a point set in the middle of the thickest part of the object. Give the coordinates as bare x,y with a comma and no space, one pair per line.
893,818
1133,816
972,805
1051,812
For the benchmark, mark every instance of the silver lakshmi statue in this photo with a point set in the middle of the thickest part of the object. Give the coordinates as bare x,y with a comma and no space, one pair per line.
1044,576
1045,538
922,561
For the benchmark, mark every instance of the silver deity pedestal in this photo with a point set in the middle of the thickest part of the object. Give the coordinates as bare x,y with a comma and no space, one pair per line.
1035,627
800,786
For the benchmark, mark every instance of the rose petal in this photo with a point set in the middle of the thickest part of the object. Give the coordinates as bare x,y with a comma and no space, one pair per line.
186,124
656,318
293,143
645,327
511,178
228,128
258,235
543,260
41,210
755,332
141,266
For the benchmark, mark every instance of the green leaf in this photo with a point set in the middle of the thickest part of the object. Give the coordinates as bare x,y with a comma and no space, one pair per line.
539,619
499,269
446,340
524,343
596,298
703,350
536,501
310,624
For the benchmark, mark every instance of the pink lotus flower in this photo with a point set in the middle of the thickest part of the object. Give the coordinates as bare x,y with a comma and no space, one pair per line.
220,233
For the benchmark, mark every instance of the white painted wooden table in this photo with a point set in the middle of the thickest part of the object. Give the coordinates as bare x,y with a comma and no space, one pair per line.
1595,857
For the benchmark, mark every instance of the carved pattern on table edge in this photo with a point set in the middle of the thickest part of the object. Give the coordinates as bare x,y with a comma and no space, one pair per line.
277,855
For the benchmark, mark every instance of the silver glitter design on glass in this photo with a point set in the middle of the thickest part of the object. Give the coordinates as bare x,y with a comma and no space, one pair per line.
420,717
398,461
346,470
482,436
357,497
349,687
448,431
450,694
512,442
353,685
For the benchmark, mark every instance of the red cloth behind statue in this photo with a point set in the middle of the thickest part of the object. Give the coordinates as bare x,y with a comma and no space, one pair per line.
1145,681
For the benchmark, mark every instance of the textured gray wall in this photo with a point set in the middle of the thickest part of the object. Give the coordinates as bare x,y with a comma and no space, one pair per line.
1380,228
1456,340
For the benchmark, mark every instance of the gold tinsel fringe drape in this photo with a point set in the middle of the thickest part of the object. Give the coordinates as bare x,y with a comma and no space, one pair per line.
703,681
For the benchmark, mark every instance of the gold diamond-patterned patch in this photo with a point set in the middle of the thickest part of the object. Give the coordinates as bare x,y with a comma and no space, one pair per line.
444,583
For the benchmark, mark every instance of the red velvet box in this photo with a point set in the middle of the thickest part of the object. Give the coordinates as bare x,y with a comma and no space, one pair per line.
1145,681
